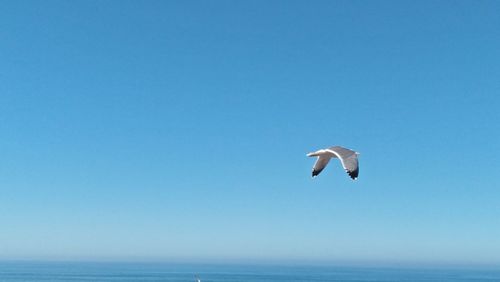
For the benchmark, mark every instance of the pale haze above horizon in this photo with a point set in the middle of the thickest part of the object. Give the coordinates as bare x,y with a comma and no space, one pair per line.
177,131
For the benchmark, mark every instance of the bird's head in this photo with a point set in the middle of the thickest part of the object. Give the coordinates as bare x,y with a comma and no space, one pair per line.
312,154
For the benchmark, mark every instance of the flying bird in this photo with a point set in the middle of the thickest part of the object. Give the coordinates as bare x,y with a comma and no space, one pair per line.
349,159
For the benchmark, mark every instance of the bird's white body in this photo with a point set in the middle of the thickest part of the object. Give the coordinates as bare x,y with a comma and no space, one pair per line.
349,159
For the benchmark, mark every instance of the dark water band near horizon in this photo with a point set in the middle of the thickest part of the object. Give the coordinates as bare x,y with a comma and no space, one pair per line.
106,272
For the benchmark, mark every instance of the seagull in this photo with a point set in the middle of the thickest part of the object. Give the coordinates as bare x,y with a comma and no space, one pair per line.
349,159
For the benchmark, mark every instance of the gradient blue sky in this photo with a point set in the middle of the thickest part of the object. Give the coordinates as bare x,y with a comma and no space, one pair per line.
177,130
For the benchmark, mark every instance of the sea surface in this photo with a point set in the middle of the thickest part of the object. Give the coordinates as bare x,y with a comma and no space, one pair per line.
106,272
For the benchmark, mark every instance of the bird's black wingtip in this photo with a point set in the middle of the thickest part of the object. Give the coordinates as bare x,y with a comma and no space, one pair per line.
353,174
315,173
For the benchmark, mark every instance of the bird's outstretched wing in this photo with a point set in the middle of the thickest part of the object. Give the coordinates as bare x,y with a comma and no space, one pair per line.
349,159
320,164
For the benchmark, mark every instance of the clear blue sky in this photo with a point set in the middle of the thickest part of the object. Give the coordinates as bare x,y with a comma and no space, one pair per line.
177,130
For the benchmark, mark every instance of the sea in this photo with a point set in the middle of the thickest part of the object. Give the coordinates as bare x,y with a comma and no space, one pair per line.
107,272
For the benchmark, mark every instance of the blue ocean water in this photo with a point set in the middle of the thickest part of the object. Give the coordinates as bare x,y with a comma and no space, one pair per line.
106,272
